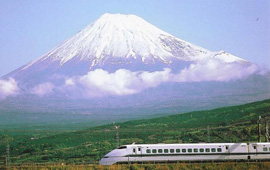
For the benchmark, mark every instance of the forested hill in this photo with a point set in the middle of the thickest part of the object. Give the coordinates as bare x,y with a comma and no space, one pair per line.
220,116
227,124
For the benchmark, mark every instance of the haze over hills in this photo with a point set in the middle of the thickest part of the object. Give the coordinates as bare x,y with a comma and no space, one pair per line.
122,65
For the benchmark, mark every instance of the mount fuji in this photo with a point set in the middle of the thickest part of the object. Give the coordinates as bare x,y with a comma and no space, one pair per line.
119,41
122,62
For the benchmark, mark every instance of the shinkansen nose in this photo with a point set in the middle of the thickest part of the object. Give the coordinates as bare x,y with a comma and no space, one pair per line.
120,151
116,155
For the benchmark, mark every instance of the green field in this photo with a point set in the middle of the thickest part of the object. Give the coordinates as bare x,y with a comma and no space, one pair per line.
228,124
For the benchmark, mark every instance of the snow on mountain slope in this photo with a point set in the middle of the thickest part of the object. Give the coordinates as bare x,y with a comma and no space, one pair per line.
122,39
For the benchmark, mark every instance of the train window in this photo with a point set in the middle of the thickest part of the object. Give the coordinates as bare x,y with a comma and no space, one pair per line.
178,150
171,150
139,149
213,149
148,151
264,149
189,150
227,147
207,150
219,149
195,150
160,151
201,150
122,147
184,150
166,150
134,150
254,147
154,151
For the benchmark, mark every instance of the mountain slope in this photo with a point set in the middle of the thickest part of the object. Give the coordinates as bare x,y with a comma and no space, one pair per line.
116,39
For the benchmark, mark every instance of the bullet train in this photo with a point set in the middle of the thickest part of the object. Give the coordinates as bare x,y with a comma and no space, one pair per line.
187,152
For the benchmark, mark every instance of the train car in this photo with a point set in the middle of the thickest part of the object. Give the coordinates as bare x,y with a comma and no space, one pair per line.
187,152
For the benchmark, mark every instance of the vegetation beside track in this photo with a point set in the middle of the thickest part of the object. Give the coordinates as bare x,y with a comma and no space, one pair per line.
178,166
227,124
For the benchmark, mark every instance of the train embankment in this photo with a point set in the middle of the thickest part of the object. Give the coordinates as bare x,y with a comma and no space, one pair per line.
175,166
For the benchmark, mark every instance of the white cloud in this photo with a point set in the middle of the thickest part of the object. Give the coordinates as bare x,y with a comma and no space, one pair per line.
153,79
69,82
125,82
122,82
43,89
215,70
99,82
8,88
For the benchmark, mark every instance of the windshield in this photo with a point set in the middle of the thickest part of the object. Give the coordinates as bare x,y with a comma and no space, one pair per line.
122,147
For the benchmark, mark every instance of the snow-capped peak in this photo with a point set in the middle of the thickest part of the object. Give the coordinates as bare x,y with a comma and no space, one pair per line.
118,39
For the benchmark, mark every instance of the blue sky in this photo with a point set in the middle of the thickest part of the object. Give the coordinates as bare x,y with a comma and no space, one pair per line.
30,28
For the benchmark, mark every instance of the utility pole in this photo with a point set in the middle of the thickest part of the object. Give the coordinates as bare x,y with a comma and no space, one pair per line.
208,133
117,134
117,138
8,156
267,119
259,129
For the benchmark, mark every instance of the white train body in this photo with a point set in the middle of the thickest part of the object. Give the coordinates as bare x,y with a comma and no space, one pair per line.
187,152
